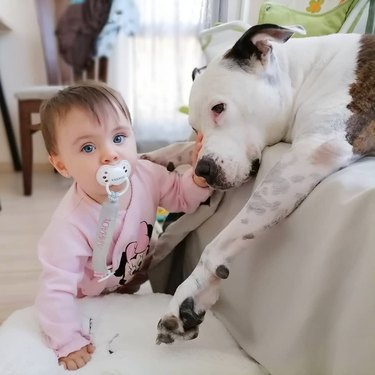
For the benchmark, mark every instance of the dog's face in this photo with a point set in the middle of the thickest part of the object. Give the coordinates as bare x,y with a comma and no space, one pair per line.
224,106
237,103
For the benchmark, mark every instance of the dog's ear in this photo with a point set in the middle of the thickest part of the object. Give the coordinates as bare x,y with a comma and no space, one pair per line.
255,41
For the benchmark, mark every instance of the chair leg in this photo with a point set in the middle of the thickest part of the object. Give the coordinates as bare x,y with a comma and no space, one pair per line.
103,69
25,111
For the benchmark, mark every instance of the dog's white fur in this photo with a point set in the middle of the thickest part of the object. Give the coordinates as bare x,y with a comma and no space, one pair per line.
296,92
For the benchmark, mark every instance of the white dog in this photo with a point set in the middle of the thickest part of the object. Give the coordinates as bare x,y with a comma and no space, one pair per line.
316,93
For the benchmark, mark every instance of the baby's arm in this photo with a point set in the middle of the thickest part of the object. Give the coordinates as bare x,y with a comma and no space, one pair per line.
181,192
63,256
77,359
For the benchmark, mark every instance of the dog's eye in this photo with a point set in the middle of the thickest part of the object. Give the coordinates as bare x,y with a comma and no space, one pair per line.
195,130
218,108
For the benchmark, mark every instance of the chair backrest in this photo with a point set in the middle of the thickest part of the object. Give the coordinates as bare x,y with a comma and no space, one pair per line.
58,71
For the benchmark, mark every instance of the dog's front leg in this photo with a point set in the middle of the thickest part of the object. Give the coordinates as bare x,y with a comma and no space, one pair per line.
282,190
172,155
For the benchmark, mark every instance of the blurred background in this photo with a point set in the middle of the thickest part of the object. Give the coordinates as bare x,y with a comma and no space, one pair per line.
153,50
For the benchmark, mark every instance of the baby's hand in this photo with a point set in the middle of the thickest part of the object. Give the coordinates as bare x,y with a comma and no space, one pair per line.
77,359
200,181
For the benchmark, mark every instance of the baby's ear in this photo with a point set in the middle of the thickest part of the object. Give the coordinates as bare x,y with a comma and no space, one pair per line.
58,165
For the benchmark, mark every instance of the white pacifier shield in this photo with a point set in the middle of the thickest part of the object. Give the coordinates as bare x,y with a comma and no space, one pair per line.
118,174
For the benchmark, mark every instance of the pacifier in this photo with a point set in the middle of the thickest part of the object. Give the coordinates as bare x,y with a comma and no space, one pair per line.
108,175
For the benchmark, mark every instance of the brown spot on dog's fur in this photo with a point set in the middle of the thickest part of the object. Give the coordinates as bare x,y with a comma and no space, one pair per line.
361,125
170,166
170,323
325,154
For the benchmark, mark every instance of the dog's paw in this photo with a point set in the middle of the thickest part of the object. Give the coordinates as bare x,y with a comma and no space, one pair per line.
172,155
186,327
198,293
170,165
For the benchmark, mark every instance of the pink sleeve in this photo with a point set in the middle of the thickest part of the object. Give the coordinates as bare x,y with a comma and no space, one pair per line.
63,252
179,193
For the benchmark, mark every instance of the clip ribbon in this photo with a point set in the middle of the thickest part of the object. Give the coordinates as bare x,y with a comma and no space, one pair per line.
108,175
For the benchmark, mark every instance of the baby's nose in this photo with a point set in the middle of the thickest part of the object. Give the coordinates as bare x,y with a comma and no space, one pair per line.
109,155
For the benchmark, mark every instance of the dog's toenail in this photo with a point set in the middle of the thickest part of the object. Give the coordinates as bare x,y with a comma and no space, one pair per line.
194,336
163,338
222,272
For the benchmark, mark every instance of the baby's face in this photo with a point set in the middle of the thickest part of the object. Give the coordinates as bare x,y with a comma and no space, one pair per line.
84,145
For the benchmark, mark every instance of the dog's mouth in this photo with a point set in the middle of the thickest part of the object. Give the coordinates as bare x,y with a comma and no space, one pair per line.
255,165
227,185
224,186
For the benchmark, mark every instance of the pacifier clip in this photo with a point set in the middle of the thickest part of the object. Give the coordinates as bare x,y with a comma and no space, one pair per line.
108,175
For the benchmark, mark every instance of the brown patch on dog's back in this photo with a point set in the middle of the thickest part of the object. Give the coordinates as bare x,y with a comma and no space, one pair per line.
361,125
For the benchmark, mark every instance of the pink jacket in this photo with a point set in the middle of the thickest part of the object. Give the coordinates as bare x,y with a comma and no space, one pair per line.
65,249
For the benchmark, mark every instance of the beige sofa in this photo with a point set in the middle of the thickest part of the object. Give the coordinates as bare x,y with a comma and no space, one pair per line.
301,299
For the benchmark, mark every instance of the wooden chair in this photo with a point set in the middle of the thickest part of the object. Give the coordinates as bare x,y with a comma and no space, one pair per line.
59,75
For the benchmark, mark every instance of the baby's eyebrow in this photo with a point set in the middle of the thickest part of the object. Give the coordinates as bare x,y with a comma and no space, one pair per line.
81,139
122,127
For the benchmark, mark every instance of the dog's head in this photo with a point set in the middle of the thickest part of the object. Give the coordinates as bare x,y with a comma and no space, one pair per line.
238,105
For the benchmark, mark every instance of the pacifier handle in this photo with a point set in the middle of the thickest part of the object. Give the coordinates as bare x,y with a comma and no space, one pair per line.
118,193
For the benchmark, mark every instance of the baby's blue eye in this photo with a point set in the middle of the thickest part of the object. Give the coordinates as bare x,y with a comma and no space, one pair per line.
119,138
88,148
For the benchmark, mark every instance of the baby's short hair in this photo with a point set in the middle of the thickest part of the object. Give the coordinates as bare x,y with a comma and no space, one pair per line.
95,97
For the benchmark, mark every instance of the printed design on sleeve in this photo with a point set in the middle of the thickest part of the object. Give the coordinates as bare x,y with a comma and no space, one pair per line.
133,257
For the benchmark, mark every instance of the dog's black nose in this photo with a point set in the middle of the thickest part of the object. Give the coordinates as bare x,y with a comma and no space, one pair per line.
206,168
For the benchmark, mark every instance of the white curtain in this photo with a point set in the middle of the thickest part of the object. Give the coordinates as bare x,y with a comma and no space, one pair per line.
153,68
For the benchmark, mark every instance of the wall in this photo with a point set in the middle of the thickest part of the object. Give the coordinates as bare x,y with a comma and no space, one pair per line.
250,10
21,64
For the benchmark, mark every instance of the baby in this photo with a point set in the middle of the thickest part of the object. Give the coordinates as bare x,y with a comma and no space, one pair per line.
98,240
